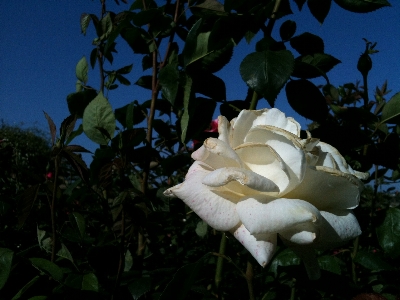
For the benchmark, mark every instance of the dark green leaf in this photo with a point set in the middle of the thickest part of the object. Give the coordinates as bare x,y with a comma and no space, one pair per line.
173,163
201,229
146,16
391,111
129,114
306,99
123,80
169,81
161,128
145,82
187,95
319,9
6,256
48,267
361,6
285,258
80,223
208,8
300,3
64,253
267,72
93,58
329,263
389,232
287,30
90,282
125,70
372,261
77,102
138,39
74,134
231,109
25,288
183,280
307,43
147,62
98,114
25,201
82,70
209,85
139,287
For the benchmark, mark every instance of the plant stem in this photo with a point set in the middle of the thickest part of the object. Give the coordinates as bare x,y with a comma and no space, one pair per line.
220,262
353,255
254,101
52,210
365,96
121,264
271,23
249,279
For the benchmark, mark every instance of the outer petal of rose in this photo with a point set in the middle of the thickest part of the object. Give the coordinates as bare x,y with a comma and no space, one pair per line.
330,154
261,248
276,118
287,145
337,227
328,189
254,181
242,125
218,212
217,154
277,215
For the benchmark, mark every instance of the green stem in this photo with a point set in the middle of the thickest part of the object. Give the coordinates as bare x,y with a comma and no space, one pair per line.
254,101
293,289
353,255
220,261
53,211
249,279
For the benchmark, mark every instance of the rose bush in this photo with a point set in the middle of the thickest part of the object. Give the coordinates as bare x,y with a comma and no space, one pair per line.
260,179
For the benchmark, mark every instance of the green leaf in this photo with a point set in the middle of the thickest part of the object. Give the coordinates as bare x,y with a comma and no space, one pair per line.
64,253
85,21
187,95
208,8
372,261
391,110
173,163
74,134
145,82
82,70
329,263
80,223
78,101
315,65
123,80
98,114
125,70
38,298
362,6
90,283
285,258
307,43
306,99
287,30
300,3
47,267
209,85
169,81
267,72
389,233
201,229
319,9
183,280
6,256
25,288
139,287
129,115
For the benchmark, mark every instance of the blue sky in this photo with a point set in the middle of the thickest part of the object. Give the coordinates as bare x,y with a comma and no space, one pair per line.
41,44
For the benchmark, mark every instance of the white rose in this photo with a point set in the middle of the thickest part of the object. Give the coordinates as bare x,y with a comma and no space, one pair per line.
260,179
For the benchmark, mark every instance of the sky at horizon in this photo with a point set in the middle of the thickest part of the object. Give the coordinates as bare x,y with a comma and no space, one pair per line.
41,44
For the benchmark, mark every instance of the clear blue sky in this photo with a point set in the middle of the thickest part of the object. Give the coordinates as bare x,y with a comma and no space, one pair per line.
41,44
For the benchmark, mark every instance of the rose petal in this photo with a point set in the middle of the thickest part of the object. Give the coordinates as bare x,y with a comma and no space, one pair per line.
248,178
263,159
328,189
218,212
276,216
289,148
261,248
242,125
217,154
329,154
277,118
337,227
224,130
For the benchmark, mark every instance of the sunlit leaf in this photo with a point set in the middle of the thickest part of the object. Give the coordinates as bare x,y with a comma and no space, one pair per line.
98,114
82,70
